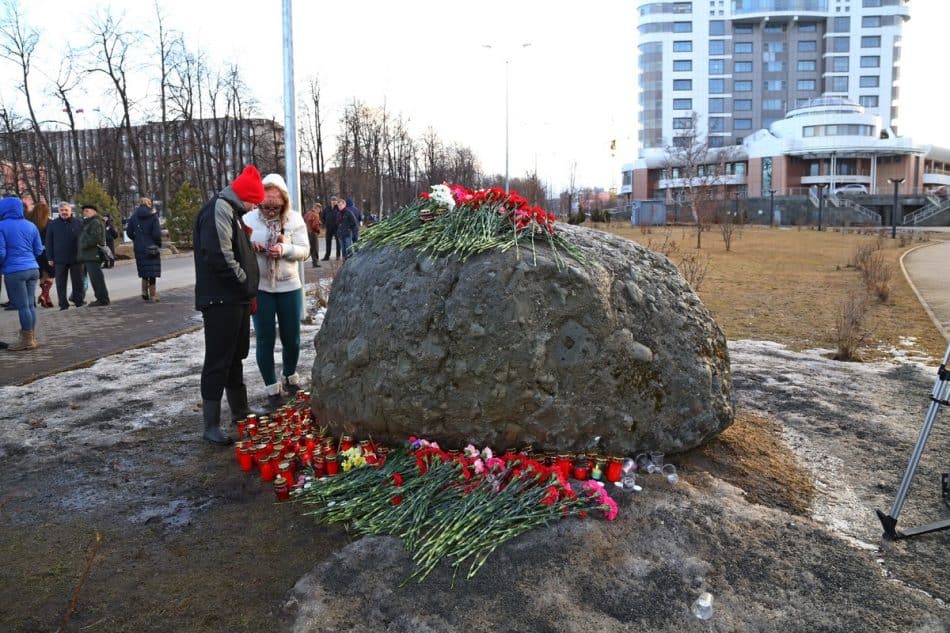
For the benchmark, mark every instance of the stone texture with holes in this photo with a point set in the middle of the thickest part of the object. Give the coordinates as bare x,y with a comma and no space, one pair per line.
523,347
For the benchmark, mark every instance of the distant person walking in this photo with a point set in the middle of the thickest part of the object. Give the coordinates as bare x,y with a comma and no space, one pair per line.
346,227
92,238
226,279
62,249
39,216
111,233
20,245
359,218
329,222
279,237
312,219
145,231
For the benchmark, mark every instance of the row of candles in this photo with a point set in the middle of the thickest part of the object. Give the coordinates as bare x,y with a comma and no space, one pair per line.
288,443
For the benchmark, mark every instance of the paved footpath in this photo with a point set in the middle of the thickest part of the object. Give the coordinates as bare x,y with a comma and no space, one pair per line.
78,336
928,269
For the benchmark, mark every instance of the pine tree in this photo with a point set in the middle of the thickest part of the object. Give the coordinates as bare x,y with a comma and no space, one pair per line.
184,208
95,194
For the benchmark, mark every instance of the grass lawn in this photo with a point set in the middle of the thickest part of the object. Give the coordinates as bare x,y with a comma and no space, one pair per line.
787,285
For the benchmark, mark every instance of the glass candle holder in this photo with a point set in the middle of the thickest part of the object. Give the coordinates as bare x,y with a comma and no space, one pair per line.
281,488
246,459
346,443
332,465
597,472
581,469
614,470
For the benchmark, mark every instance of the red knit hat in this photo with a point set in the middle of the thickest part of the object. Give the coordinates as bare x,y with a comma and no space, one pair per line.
248,186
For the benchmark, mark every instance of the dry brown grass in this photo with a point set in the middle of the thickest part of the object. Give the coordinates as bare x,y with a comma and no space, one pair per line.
751,455
786,285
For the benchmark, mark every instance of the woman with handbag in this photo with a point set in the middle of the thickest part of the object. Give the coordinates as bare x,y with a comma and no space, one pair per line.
145,231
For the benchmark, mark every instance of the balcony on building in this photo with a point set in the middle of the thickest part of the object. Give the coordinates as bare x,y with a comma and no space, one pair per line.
748,9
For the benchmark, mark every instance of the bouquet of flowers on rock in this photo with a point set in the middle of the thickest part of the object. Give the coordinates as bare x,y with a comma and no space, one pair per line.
458,506
454,221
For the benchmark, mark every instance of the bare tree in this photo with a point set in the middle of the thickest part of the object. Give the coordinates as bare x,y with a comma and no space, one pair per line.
698,171
67,80
167,44
17,43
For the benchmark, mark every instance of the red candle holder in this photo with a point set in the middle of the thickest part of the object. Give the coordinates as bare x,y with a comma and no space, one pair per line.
281,488
564,465
268,469
581,469
319,466
246,459
614,469
346,443
286,470
333,466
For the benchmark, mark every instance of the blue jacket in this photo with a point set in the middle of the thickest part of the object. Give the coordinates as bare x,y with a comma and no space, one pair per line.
62,240
20,243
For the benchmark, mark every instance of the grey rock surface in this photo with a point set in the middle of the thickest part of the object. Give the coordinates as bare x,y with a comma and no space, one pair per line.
509,347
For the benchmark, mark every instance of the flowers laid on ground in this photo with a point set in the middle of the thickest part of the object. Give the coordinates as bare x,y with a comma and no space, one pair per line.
452,505
452,220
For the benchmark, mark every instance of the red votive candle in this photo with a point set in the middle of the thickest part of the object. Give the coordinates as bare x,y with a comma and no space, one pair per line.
346,443
319,466
246,459
614,469
333,466
581,469
281,488
268,469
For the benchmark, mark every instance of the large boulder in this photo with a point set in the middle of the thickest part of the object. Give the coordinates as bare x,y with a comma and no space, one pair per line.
523,347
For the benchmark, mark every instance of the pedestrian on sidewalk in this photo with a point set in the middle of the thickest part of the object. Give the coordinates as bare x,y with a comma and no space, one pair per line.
20,245
279,237
111,234
39,216
329,222
145,231
92,238
312,219
346,227
62,248
226,278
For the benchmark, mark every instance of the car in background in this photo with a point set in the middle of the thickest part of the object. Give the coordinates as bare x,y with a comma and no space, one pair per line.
850,189
941,192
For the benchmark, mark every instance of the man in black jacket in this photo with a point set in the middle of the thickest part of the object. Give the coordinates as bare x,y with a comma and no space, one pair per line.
328,215
62,249
226,277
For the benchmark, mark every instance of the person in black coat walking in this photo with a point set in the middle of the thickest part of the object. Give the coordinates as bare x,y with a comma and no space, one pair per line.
328,217
62,251
145,231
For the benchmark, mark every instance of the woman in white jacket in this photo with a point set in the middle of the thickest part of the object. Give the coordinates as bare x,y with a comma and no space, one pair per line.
279,237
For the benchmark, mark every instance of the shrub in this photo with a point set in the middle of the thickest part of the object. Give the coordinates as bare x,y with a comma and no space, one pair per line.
849,326
694,268
877,276
184,208
94,193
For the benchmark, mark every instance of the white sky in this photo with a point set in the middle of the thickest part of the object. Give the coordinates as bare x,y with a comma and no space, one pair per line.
571,92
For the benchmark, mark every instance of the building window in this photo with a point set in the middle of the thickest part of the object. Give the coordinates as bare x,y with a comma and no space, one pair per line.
742,124
808,27
806,84
871,3
682,27
871,41
807,46
742,29
716,141
870,81
807,65
775,105
870,61
682,123
841,44
742,67
682,84
717,123
772,47
841,25
717,86
868,101
682,104
839,84
683,47
774,28
681,142
774,85
717,104
717,67
774,67
717,27
871,22
840,64
742,86
742,105
740,48
717,47
682,65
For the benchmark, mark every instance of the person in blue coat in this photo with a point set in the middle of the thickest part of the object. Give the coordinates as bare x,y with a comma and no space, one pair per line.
20,245
145,231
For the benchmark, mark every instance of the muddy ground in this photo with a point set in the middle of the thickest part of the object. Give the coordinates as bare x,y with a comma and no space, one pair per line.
775,519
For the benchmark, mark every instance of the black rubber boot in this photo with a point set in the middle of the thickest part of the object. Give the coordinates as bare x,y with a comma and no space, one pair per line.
211,410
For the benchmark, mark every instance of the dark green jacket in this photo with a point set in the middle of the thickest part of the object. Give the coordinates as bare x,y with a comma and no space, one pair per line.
93,234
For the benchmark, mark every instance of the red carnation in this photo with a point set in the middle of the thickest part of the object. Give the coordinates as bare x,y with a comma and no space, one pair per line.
395,501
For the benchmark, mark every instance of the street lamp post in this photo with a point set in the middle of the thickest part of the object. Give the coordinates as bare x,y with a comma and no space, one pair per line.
507,61
821,202
896,182
771,207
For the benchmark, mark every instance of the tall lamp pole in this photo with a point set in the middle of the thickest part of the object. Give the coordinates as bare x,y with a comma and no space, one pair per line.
896,182
507,61
771,207
821,202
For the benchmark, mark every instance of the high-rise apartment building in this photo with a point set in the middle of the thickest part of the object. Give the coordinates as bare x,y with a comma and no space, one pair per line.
741,65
